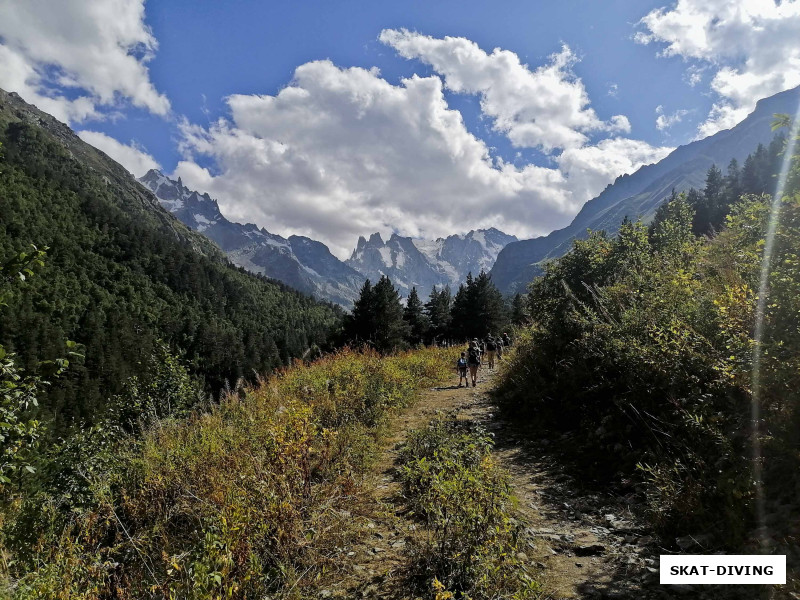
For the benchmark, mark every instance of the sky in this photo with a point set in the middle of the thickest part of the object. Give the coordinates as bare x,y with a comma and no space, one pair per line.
338,119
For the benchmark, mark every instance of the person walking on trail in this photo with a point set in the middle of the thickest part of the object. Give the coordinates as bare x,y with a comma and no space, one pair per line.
461,366
506,340
473,362
491,348
479,346
500,345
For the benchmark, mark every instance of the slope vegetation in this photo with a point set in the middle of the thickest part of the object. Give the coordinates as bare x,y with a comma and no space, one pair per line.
122,275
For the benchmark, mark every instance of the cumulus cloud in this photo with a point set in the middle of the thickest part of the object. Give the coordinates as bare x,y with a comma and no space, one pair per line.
133,157
73,58
341,151
750,44
547,107
590,168
665,121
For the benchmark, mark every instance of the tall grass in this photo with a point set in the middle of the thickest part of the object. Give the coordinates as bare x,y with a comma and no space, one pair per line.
254,497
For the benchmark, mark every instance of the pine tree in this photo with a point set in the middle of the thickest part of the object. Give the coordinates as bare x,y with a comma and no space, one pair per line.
490,308
415,318
437,309
461,311
519,310
361,322
733,184
390,330
478,308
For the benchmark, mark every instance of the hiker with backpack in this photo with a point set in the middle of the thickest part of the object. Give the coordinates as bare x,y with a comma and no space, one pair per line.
461,367
506,340
473,361
500,347
491,348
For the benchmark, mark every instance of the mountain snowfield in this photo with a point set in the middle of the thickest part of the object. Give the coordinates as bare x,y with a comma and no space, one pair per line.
299,262
413,262
308,265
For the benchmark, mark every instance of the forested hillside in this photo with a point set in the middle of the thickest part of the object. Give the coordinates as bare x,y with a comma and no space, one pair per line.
121,276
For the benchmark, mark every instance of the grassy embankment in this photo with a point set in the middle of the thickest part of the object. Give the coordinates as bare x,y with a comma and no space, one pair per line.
255,497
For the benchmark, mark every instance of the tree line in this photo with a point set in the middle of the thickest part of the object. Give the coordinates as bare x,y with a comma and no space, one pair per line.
122,278
476,310
721,191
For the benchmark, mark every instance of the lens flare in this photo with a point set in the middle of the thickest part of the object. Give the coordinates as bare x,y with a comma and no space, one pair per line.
763,294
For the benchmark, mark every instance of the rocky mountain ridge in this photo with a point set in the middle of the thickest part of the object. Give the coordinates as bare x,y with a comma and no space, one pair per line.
413,262
308,265
639,194
300,262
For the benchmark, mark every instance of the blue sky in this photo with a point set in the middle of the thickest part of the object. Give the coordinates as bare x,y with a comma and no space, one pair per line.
337,119
208,51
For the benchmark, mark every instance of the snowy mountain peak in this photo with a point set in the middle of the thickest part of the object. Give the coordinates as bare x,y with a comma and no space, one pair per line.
421,263
301,263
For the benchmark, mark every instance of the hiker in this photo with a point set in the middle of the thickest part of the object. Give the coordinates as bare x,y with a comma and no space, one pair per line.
500,346
461,367
473,361
479,346
506,340
491,348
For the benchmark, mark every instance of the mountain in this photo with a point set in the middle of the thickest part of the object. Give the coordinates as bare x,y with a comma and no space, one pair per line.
123,277
638,195
299,262
419,263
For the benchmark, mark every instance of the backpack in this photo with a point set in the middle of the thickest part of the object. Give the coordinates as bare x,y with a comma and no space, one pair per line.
490,345
462,363
474,357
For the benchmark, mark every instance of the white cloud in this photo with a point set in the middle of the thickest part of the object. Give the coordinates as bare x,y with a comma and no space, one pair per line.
341,151
752,45
547,107
590,168
98,50
132,157
665,121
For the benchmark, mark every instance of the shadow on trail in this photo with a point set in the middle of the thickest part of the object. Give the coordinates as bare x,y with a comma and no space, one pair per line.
589,519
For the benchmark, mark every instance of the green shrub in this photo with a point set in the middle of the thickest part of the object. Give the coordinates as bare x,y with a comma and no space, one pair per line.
452,482
643,346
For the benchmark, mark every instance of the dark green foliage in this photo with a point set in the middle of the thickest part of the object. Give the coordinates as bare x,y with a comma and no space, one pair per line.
671,229
478,309
377,318
361,322
626,348
437,309
519,310
713,204
415,317
19,431
121,275
643,346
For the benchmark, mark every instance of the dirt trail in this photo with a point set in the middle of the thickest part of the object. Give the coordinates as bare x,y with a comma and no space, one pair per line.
581,544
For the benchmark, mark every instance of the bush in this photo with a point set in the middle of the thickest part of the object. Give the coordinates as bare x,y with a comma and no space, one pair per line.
453,484
643,346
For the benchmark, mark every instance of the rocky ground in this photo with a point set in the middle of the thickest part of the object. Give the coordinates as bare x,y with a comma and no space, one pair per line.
581,543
